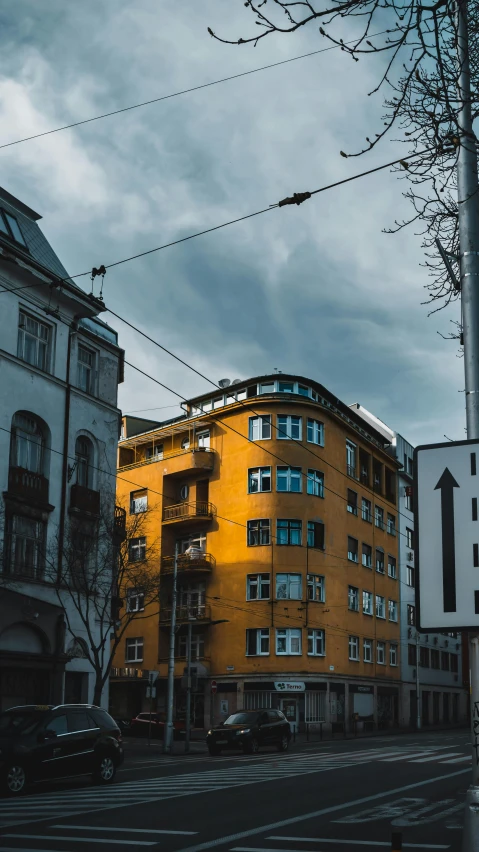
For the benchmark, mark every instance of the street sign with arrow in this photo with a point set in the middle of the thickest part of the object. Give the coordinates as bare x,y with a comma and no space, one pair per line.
447,535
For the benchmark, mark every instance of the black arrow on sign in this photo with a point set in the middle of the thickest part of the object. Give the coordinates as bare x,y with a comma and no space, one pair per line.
446,484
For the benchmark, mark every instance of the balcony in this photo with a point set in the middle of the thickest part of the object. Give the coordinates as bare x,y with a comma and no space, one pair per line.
194,612
201,562
179,461
351,471
84,499
182,512
28,486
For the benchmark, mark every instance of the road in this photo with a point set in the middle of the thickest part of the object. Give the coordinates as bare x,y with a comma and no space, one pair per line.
321,797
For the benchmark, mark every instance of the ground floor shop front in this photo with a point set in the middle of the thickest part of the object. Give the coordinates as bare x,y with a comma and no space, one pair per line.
438,705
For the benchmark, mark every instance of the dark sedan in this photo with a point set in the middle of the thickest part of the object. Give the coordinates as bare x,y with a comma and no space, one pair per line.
248,730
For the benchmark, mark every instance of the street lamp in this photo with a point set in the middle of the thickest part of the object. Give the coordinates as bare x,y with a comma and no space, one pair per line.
188,677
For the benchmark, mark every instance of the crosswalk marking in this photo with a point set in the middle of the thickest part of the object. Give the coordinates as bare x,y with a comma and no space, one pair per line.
468,757
123,830
434,757
405,756
83,839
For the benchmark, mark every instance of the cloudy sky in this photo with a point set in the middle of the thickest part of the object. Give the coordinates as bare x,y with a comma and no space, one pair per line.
317,290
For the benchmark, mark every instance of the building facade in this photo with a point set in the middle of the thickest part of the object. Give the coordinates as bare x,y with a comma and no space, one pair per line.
281,506
434,660
59,423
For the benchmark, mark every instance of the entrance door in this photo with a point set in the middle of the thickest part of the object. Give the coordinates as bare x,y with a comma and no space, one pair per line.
289,707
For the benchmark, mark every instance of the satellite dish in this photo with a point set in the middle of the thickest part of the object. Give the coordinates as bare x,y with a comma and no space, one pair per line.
224,383
235,381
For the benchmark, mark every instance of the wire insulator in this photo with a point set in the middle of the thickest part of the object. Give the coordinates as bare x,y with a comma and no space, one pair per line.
297,198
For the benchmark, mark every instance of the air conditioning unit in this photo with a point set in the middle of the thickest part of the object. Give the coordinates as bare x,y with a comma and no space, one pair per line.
410,556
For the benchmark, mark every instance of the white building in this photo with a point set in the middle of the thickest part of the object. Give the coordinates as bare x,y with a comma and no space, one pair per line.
435,657
59,424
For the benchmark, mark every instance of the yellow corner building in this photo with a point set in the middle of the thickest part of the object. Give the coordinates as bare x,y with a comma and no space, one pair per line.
280,503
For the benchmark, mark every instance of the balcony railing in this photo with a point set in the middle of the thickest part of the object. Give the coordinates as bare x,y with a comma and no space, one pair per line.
28,485
189,562
351,470
188,511
193,457
85,499
194,612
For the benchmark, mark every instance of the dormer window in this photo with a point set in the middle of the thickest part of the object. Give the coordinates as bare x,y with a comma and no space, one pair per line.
10,227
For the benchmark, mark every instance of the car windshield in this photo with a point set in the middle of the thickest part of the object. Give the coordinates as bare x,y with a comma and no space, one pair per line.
19,721
241,719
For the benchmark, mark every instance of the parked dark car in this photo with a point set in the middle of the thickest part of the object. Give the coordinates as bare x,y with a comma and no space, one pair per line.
249,730
140,725
39,742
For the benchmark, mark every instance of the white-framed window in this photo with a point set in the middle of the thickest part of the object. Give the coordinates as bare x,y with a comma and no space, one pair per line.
411,575
381,653
289,587
25,547
368,650
138,501
259,532
392,567
391,524
27,443
366,510
267,387
185,443
289,427
392,610
393,654
84,461
288,531
367,555
134,650
315,483
260,428
379,517
351,458
368,603
257,642
409,538
203,439
12,228
257,587
380,606
193,544
259,479
288,640
288,479
316,588
154,452
135,600
33,344
352,549
315,432
137,549
86,372
352,502
285,387
218,402
316,643
411,614
380,560
353,598
354,647
197,647
303,390
316,535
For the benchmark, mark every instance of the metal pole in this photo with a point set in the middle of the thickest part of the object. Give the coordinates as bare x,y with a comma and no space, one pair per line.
167,746
188,687
418,704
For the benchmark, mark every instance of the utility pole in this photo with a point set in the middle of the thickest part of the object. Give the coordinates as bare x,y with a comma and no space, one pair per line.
188,686
168,742
468,213
418,703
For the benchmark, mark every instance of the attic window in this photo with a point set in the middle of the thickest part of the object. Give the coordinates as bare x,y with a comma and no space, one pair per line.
10,227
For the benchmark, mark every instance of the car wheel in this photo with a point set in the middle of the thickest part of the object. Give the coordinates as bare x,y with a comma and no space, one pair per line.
251,747
105,770
213,750
15,780
283,744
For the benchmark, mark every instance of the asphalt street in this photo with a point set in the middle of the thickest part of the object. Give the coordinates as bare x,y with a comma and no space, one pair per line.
319,796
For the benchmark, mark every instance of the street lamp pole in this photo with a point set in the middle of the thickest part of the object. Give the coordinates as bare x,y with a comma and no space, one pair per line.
167,746
188,686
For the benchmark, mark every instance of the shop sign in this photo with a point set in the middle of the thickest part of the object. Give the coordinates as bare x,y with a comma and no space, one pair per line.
289,686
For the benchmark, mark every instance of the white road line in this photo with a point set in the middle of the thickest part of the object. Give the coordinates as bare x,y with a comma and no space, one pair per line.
82,839
127,830
349,842
458,759
406,756
437,757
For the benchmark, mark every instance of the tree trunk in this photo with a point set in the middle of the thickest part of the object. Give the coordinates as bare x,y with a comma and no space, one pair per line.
99,684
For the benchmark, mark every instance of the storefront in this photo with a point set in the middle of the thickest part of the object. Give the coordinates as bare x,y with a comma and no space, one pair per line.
302,702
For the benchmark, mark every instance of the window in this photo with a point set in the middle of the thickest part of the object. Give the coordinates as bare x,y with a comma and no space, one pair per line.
435,659
454,663
59,725
268,387
12,228
197,647
257,587
138,501
185,443
377,476
352,549
25,547
409,538
288,641
411,614
203,440
316,644
409,499
381,653
411,575
288,532
135,601
154,452
86,369
352,504
353,598
257,642
285,387
392,610
354,647
367,555
444,661
259,532
260,428
303,390
197,543
366,510
424,657
315,483
392,568
134,650
351,458
137,549
316,588
288,479
379,517
367,603
391,524
84,461
368,650
379,560
33,341
288,587
411,655
289,427
28,443
259,479
316,535
390,484
380,606
315,432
